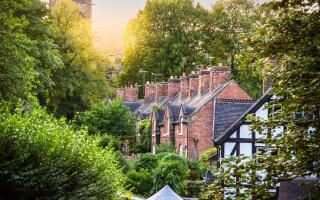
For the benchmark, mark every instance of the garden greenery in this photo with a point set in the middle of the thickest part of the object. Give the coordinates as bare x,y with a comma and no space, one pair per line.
43,158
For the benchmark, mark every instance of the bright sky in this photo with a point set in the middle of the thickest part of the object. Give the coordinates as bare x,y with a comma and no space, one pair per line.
110,18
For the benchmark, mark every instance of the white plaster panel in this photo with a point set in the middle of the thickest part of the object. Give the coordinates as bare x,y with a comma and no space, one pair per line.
228,147
234,135
262,112
245,131
246,149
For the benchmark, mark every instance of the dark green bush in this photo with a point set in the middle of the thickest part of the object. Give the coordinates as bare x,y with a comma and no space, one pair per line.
194,188
199,168
166,147
173,173
43,158
140,182
146,161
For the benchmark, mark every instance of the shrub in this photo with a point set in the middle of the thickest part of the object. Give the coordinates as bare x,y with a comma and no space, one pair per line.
140,182
166,147
173,173
194,188
43,158
112,118
110,142
198,169
146,161
144,145
207,154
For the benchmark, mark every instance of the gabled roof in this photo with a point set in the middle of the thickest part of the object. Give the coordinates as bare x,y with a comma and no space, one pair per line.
165,193
226,112
253,108
199,101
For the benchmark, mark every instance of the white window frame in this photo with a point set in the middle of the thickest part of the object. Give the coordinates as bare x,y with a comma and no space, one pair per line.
168,128
181,127
181,150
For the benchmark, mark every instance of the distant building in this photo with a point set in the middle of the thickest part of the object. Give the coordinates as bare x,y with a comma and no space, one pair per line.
85,6
190,111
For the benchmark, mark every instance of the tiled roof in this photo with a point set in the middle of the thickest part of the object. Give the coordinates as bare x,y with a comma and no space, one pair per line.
298,188
134,106
253,108
174,111
227,112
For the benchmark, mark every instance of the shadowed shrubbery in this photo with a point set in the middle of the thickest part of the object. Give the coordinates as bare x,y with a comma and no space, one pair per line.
43,158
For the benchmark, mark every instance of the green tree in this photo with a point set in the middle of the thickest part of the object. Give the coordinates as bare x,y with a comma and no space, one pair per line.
81,81
143,145
112,118
160,36
231,24
287,48
28,54
172,170
44,158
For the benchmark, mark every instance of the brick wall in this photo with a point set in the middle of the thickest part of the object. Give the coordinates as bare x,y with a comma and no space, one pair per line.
219,75
184,80
120,93
149,92
161,90
204,81
233,91
200,130
131,93
174,87
193,84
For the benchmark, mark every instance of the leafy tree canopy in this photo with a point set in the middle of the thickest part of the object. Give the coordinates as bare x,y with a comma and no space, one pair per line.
81,81
28,54
113,118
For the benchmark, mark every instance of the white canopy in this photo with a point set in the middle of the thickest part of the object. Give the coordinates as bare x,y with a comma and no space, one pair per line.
165,193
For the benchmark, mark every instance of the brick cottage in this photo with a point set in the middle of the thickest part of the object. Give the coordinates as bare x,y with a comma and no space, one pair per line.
189,111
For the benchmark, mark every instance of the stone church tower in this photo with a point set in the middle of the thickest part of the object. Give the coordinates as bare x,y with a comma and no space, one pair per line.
85,6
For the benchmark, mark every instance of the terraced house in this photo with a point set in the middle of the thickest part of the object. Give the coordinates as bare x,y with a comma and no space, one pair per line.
190,111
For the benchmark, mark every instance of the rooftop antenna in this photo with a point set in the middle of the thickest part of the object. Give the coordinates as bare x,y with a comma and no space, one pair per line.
143,72
210,58
183,63
155,76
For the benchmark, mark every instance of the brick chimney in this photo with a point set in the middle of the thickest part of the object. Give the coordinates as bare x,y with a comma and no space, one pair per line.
204,80
149,92
120,93
184,82
131,93
193,84
219,75
174,87
161,90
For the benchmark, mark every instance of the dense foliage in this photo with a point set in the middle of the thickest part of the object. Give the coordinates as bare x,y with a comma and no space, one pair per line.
287,44
28,54
165,147
143,142
81,81
112,118
175,36
43,158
